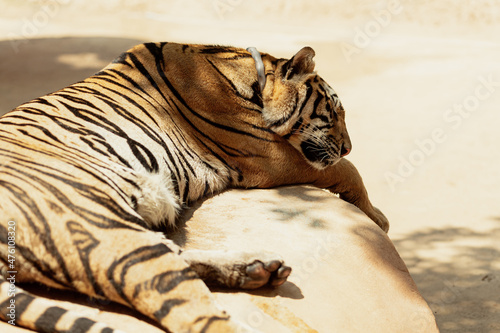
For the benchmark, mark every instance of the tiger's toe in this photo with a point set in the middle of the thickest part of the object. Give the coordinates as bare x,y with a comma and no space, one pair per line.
259,273
281,276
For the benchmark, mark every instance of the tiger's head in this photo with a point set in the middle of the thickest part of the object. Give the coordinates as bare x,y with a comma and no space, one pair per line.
303,109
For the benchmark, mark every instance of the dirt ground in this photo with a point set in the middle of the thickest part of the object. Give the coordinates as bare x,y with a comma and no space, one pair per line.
420,82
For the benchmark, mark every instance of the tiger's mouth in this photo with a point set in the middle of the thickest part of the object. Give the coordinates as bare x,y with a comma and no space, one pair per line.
318,154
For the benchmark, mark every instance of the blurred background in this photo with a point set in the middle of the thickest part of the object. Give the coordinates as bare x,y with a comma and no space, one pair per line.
420,81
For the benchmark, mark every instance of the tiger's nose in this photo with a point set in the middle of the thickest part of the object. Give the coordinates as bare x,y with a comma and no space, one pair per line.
345,150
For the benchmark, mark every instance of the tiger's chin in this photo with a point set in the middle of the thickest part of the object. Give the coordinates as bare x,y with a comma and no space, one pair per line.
319,157
323,164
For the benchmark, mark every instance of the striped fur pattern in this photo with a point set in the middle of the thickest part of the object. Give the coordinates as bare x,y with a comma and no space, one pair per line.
90,175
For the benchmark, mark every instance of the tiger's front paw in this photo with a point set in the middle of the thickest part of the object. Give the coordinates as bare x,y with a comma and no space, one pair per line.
379,218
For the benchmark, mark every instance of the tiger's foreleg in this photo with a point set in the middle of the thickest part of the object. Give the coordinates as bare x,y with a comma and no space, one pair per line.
343,178
289,167
236,269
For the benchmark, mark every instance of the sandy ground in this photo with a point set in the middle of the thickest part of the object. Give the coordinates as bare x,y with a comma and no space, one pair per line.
420,83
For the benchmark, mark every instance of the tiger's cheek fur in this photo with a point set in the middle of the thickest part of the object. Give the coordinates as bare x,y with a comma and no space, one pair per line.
281,109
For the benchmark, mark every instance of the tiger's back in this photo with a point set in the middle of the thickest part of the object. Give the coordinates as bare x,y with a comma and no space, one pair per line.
88,171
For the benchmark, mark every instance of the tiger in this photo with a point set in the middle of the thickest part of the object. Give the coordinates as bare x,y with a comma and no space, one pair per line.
93,176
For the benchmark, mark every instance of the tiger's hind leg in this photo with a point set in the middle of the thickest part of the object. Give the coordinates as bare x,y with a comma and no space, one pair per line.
144,271
238,269
19,307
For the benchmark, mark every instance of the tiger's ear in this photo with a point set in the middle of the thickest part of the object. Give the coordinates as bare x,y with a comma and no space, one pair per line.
300,64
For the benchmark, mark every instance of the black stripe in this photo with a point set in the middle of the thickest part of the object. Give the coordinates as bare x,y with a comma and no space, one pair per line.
214,154
309,93
166,307
165,282
14,116
210,321
331,110
135,257
23,300
143,155
43,129
21,160
294,129
239,152
215,49
26,133
121,59
48,320
39,264
3,234
256,98
318,100
174,176
78,100
229,82
81,325
107,330
185,194
315,114
85,243
147,75
187,150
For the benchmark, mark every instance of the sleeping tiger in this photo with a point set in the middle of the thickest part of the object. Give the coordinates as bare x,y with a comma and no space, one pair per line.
92,174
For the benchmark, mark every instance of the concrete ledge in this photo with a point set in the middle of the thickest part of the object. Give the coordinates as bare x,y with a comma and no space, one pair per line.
347,275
